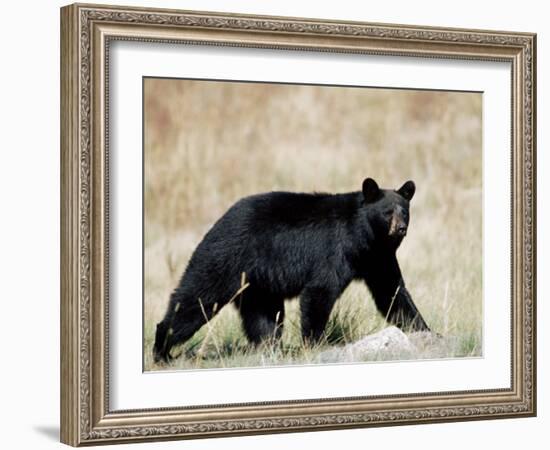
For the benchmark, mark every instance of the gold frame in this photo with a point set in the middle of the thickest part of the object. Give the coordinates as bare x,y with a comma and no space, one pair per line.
86,31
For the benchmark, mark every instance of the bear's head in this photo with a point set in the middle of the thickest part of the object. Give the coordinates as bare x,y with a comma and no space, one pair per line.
388,211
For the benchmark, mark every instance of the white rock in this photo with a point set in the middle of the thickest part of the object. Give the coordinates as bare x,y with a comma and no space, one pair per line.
389,341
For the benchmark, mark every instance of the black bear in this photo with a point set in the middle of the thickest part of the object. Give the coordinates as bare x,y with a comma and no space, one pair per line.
294,244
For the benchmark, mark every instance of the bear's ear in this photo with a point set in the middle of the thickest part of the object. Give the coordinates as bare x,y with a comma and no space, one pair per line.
371,191
407,190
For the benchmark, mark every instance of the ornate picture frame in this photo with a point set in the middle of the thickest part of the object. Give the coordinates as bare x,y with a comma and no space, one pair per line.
87,31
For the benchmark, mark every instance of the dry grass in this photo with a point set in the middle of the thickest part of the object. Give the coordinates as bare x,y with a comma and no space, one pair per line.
207,144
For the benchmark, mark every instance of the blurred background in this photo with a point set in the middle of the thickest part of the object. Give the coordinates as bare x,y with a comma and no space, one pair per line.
209,143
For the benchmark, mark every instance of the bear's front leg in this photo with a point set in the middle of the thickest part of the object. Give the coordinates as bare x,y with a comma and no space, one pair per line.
391,296
402,311
316,303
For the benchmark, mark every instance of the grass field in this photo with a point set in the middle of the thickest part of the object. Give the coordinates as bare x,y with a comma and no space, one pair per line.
207,144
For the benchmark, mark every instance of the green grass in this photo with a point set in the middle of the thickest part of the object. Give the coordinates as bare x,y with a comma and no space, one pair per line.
223,344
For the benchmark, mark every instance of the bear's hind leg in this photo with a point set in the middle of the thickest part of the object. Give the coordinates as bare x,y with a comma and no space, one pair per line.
183,319
262,316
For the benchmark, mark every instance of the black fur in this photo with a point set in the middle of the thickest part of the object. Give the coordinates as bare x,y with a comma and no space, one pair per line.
288,245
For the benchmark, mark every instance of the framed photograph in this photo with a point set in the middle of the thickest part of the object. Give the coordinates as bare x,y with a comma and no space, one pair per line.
275,224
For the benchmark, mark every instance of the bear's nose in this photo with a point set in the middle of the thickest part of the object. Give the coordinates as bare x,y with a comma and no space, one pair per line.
402,230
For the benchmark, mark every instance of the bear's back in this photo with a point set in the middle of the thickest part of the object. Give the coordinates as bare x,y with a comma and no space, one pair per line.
279,232
296,210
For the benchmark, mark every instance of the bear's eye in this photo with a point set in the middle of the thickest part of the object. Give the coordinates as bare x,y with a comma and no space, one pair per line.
388,212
